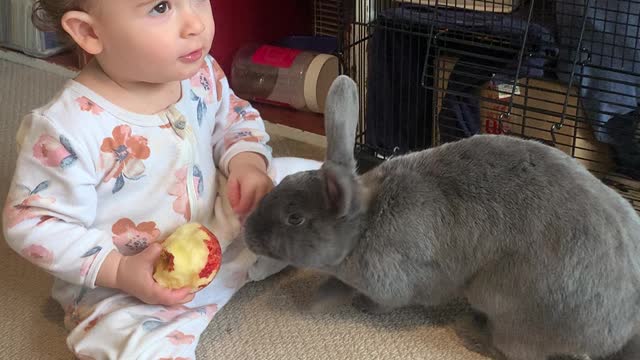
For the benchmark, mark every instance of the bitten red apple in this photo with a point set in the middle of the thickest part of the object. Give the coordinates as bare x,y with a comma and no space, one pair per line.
190,257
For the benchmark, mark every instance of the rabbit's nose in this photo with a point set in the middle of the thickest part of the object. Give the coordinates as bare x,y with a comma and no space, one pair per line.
256,244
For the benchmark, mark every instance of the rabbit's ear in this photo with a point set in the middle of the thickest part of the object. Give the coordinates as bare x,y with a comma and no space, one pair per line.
341,190
340,121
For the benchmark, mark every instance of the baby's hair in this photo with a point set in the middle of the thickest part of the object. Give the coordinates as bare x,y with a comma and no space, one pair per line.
47,15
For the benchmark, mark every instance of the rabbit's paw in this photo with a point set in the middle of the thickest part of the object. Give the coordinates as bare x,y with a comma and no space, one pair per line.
474,333
331,294
265,267
368,306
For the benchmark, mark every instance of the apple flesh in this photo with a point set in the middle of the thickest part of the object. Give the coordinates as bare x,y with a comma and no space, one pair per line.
190,257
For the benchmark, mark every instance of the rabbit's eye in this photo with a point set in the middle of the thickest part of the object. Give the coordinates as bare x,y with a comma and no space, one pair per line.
295,219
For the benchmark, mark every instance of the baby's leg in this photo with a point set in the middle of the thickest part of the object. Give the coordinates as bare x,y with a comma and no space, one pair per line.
111,325
284,166
281,167
121,327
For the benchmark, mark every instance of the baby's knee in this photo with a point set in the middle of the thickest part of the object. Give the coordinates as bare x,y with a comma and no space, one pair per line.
284,166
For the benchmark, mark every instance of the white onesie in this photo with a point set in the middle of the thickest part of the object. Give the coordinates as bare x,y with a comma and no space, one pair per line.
92,177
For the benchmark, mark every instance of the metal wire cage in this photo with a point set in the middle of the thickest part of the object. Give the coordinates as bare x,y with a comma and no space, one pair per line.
327,17
565,72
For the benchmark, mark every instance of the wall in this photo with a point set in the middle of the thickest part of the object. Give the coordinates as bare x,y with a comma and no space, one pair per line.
241,21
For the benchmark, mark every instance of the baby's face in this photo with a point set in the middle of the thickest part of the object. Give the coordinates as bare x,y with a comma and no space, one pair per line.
152,40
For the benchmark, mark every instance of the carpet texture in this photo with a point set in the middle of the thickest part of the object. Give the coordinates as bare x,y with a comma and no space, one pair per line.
265,320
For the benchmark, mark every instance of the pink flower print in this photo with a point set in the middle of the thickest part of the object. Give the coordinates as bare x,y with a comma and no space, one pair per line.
122,156
202,90
93,323
45,219
179,189
38,254
172,312
178,338
52,152
240,110
219,75
211,310
131,238
88,105
242,135
24,204
201,84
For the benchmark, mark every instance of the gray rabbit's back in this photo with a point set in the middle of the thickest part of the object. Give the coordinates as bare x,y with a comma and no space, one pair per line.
520,227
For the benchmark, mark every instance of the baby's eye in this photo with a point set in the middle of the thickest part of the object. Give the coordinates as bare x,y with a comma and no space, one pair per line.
160,8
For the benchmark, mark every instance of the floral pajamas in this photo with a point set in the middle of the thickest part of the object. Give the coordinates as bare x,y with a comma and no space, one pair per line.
92,177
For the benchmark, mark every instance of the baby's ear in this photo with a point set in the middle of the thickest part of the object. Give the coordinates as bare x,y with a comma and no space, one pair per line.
340,189
82,29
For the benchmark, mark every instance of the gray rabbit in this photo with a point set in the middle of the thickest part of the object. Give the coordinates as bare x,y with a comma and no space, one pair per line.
547,256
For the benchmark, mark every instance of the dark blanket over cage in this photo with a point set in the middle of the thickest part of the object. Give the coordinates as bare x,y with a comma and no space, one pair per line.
398,54
406,39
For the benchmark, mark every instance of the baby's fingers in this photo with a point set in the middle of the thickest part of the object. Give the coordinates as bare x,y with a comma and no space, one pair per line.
183,295
187,298
170,297
246,201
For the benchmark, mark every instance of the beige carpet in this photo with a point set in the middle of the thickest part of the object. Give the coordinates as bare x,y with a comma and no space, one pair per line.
266,320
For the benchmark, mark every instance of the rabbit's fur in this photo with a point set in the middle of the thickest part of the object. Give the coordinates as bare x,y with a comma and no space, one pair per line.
546,254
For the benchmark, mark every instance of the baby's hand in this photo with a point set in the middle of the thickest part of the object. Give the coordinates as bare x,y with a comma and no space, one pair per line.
135,277
248,182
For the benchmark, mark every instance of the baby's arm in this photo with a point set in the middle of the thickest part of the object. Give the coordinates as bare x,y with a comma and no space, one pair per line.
50,210
52,204
240,148
239,127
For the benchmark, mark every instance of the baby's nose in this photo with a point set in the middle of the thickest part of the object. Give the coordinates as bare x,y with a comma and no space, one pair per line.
192,23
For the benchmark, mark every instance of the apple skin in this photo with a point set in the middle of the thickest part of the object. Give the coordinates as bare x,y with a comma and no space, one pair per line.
191,257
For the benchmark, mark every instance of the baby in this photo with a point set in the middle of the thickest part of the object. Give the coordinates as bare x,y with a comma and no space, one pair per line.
147,137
